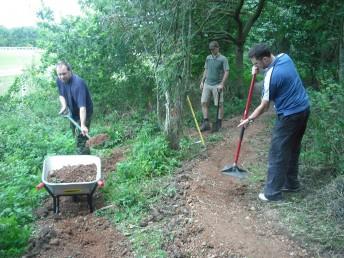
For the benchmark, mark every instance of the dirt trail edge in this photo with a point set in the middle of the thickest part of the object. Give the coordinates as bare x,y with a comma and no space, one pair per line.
209,215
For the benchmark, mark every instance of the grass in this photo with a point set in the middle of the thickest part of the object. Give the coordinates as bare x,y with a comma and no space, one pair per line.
315,215
5,83
146,241
13,59
11,62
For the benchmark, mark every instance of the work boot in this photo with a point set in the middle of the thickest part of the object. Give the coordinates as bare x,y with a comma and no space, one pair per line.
205,125
217,125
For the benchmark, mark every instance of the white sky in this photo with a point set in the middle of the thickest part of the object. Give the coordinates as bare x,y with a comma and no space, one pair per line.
21,13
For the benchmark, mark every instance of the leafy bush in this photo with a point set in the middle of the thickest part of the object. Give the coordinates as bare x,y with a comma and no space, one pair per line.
14,237
150,158
324,138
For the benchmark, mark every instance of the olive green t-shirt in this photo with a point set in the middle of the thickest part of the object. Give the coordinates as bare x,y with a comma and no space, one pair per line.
215,66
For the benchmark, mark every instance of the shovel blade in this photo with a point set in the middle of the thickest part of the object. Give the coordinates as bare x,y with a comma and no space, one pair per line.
234,171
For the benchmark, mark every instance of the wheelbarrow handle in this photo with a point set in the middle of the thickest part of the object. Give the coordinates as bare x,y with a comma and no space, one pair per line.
101,183
76,124
40,186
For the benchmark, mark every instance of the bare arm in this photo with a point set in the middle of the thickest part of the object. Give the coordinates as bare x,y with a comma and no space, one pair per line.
82,114
203,79
263,107
225,76
63,105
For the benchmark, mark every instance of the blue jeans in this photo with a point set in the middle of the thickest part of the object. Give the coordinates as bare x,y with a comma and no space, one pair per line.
284,154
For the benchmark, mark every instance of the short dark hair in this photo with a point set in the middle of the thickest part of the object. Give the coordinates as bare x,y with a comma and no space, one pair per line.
213,44
64,63
259,51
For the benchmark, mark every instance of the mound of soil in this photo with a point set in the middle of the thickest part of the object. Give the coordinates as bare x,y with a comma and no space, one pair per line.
73,174
97,140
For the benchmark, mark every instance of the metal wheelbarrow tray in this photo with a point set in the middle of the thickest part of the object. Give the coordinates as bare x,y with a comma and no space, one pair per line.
70,189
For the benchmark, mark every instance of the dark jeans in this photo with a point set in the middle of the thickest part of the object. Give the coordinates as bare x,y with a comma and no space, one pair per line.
284,153
80,139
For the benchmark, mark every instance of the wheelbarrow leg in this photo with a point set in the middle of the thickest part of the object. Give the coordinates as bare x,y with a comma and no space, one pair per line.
54,204
89,201
90,197
57,204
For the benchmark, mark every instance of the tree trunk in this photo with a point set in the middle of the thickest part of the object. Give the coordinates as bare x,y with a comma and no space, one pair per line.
173,122
243,29
239,61
341,54
175,92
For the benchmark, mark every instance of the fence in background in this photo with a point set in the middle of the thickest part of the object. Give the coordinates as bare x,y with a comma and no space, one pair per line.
20,49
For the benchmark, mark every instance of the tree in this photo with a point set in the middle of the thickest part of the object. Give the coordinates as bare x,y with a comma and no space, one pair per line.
310,31
231,22
341,52
18,37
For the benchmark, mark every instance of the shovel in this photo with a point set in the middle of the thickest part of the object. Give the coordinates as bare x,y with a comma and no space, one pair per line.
215,128
234,170
92,141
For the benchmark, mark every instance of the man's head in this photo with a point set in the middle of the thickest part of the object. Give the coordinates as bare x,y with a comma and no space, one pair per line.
214,47
64,71
260,56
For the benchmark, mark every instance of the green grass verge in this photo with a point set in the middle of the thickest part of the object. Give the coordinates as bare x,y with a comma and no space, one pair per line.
14,59
316,216
5,83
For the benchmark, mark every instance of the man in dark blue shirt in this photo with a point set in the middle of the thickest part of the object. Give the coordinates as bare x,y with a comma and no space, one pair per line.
283,86
76,99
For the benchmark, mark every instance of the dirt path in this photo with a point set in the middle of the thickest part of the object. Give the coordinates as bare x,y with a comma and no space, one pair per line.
233,221
211,215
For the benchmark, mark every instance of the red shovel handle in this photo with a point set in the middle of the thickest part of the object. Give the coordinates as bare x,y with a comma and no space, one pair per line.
247,107
249,98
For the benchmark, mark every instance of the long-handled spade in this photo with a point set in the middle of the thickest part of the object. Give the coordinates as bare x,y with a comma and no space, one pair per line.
234,170
92,141
216,126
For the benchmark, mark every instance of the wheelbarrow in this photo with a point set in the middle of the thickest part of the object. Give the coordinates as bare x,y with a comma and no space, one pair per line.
70,189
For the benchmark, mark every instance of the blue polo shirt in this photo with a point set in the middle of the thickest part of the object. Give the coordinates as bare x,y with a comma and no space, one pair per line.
77,95
283,86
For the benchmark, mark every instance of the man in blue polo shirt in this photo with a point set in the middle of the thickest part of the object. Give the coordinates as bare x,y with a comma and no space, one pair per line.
283,86
75,98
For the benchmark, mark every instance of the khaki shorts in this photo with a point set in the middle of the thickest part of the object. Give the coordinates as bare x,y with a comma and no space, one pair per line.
208,91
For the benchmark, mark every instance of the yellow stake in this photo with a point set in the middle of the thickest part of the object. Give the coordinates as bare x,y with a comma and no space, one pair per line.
193,114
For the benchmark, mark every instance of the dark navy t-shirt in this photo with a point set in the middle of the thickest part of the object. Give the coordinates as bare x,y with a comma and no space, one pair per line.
283,86
77,95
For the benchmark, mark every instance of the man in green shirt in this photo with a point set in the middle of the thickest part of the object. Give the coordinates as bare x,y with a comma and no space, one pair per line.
214,77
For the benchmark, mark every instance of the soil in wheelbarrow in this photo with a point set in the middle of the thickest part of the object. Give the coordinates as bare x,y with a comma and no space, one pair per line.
73,174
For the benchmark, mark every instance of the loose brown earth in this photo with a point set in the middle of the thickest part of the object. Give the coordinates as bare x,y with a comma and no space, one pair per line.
210,215
73,174
97,140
